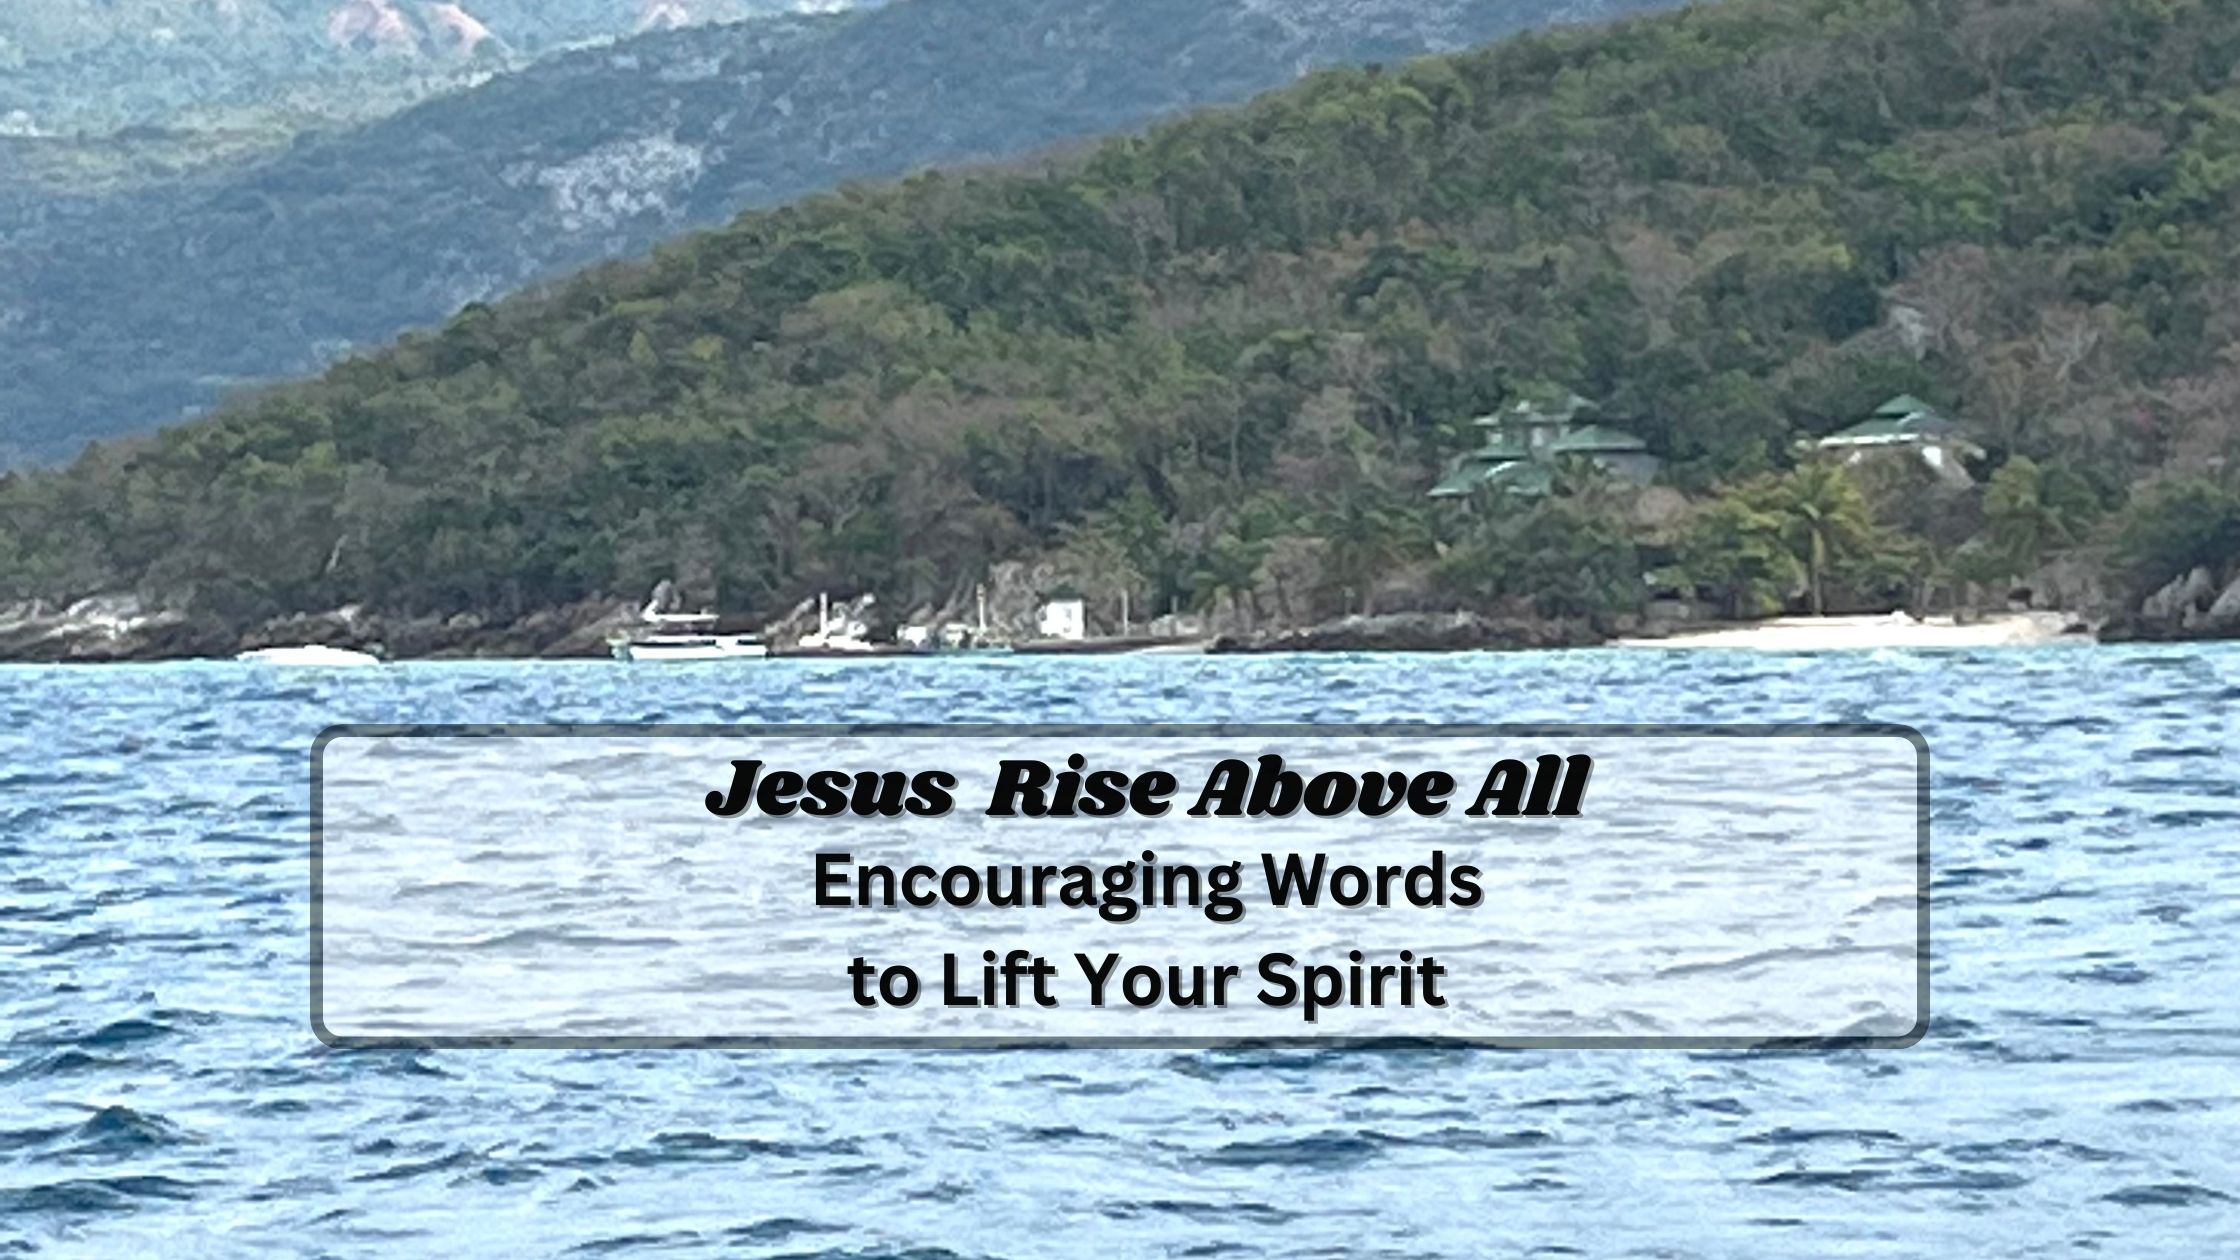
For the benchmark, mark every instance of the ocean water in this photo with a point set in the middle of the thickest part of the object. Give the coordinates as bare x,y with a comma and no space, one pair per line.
161,1092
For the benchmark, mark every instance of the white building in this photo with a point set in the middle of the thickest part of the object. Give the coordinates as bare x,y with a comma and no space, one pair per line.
1066,619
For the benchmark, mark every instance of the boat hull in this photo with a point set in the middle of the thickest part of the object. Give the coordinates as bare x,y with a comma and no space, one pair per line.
309,657
721,650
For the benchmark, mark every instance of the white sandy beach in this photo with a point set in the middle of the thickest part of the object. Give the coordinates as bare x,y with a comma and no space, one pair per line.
1853,634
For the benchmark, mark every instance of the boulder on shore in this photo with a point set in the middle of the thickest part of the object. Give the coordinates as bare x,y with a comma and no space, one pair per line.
588,627
2180,599
339,628
105,628
2223,617
2192,606
121,628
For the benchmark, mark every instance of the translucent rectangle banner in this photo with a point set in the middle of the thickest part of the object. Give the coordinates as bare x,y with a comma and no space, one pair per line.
1500,886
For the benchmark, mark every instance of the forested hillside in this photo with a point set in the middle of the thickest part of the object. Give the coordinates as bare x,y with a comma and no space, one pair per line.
124,311
1220,363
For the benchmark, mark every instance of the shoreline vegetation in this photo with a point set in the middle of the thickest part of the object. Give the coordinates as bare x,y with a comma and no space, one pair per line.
1750,310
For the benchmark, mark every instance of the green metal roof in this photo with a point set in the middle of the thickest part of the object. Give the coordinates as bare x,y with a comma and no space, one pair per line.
1530,479
1467,476
1904,419
1513,460
1921,426
1590,439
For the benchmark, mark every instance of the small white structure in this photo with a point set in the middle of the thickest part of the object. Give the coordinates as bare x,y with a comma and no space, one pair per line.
1066,619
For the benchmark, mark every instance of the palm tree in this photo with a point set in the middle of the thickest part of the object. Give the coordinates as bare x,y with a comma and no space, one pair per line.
1825,520
1366,538
1231,567
2031,510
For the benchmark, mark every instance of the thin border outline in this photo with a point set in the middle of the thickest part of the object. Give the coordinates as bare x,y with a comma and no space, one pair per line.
610,730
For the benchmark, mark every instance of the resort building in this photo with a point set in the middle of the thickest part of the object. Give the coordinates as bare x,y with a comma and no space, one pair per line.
1907,425
1527,440
1064,619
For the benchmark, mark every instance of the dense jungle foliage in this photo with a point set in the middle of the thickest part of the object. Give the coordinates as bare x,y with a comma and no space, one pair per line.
1218,364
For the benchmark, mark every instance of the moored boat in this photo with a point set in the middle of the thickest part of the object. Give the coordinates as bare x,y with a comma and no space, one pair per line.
839,636
308,655
685,637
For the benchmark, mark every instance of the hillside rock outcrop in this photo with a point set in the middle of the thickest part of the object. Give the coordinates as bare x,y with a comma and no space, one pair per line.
105,628
118,627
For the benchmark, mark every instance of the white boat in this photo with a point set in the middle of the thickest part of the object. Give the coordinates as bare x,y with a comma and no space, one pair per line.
685,637
311,655
836,640
835,635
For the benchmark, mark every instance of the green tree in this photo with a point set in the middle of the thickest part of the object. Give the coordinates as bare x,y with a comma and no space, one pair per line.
2032,510
2176,527
1568,557
1737,546
1231,568
1366,536
1824,519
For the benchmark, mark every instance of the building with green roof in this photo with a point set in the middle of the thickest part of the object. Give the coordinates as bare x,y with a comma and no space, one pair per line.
1906,424
1525,440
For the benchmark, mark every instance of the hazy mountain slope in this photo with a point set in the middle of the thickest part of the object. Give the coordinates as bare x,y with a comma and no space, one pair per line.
122,313
77,66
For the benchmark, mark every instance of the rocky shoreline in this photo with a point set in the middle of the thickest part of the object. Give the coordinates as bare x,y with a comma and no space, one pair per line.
121,629
118,628
1417,632
106,628
2191,608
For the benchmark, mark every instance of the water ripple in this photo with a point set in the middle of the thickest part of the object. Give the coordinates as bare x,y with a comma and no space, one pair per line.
160,1090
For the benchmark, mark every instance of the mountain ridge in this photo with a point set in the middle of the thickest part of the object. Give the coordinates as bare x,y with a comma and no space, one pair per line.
128,312
78,66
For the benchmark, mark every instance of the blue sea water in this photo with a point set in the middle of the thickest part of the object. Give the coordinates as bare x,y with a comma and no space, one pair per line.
161,1092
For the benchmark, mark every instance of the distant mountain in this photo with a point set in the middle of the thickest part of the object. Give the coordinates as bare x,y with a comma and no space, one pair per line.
123,312
75,66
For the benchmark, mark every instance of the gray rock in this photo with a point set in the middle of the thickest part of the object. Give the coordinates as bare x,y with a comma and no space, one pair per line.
589,626
2224,615
113,614
339,628
109,627
2182,596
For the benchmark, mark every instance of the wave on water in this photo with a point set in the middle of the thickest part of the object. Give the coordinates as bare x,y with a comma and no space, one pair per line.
160,1090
